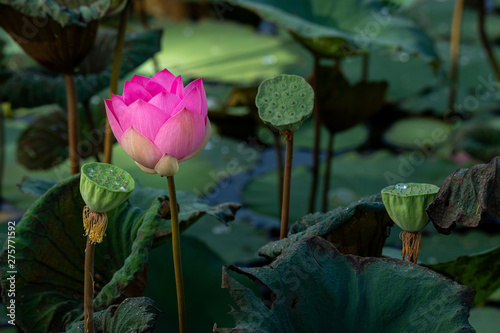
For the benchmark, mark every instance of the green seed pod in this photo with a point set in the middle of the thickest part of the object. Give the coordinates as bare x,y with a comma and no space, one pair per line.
104,186
285,101
406,204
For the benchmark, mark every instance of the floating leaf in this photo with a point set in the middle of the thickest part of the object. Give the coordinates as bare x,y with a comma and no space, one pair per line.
137,314
36,86
340,105
418,133
242,57
50,250
343,28
480,272
315,288
359,229
466,197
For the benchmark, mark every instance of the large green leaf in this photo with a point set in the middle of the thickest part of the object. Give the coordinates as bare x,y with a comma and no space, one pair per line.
50,252
137,314
467,197
74,12
312,287
343,28
36,86
480,272
359,229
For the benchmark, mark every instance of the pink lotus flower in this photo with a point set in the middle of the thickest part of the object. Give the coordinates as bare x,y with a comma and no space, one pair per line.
158,122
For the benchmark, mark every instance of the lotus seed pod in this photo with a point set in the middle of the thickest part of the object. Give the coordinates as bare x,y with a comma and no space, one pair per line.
104,186
285,101
406,204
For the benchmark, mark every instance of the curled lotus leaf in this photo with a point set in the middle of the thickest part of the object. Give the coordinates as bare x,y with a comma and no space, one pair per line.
312,287
467,197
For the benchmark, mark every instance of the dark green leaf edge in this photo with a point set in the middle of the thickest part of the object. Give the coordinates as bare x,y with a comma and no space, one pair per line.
320,224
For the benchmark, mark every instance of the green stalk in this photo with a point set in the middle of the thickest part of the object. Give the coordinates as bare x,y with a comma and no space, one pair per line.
72,106
315,164
454,53
88,293
176,247
285,205
115,76
486,42
326,180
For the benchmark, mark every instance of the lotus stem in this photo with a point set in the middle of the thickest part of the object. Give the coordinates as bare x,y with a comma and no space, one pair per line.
486,42
115,76
279,159
315,162
73,132
411,244
326,180
285,205
176,249
88,293
454,53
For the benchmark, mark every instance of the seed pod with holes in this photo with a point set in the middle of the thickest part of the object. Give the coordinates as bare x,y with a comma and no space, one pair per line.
406,204
103,187
285,101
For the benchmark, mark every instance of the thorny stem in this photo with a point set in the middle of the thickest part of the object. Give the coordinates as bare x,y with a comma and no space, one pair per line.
72,109
315,163
285,205
176,247
486,43
115,76
454,53
326,180
88,293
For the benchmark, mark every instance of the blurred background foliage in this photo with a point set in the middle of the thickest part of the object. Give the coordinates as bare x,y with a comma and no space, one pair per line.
409,138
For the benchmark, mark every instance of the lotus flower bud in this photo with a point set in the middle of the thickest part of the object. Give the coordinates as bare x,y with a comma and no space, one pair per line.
103,187
159,122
